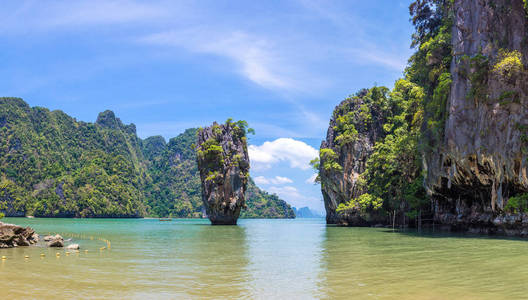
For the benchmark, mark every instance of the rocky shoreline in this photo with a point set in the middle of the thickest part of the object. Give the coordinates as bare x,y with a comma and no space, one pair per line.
12,235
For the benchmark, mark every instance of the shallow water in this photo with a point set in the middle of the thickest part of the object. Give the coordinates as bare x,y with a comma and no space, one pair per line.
263,259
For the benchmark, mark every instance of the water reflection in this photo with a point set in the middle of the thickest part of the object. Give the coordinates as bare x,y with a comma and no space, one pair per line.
377,263
216,261
285,258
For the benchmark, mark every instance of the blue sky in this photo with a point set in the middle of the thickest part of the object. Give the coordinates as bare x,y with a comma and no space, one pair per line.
169,65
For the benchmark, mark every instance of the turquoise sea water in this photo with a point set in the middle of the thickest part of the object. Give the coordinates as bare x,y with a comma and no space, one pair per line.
261,259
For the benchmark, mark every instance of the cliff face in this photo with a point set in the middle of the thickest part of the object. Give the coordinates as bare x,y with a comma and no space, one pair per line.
340,183
223,163
482,162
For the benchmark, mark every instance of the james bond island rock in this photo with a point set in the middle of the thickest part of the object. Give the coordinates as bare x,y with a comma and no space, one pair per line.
13,236
223,163
477,175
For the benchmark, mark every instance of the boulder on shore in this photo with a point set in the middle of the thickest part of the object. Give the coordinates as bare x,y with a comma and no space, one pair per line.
12,236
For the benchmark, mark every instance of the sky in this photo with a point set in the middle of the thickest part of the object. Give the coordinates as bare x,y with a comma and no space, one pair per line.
170,65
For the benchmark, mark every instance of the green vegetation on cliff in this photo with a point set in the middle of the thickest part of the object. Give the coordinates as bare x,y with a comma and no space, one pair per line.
260,204
393,168
52,165
402,125
429,66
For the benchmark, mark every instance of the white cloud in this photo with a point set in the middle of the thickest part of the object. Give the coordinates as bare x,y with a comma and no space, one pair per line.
261,180
278,180
289,191
254,56
64,15
297,153
281,180
288,56
311,180
374,56
292,195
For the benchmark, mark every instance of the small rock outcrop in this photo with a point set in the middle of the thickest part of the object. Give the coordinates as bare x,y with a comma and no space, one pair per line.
54,241
13,236
482,162
73,247
223,163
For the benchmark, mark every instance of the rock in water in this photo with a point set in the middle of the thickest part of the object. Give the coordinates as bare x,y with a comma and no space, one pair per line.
13,236
55,241
73,247
482,162
223,162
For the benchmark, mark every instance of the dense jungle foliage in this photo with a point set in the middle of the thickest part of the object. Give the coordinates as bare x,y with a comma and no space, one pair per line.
411,116
52,165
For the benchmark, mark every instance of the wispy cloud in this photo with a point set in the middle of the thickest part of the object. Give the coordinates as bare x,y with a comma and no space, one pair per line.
369,54
311,179
271,56
359,47
168,129
253,56
41,16
274,180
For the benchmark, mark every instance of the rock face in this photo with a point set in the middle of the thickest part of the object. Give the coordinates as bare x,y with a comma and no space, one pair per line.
13,236
339,185
483,161
223,163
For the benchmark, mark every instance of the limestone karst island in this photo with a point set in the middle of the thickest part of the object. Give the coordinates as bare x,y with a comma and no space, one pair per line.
297,149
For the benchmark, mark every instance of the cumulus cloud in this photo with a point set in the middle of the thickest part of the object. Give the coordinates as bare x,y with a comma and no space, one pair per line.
275,180
281,180
297,153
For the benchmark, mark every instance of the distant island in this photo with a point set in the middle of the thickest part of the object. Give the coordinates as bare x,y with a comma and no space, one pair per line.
52,165
306,212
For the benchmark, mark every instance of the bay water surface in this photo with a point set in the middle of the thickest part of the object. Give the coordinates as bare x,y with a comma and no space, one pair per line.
260,259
